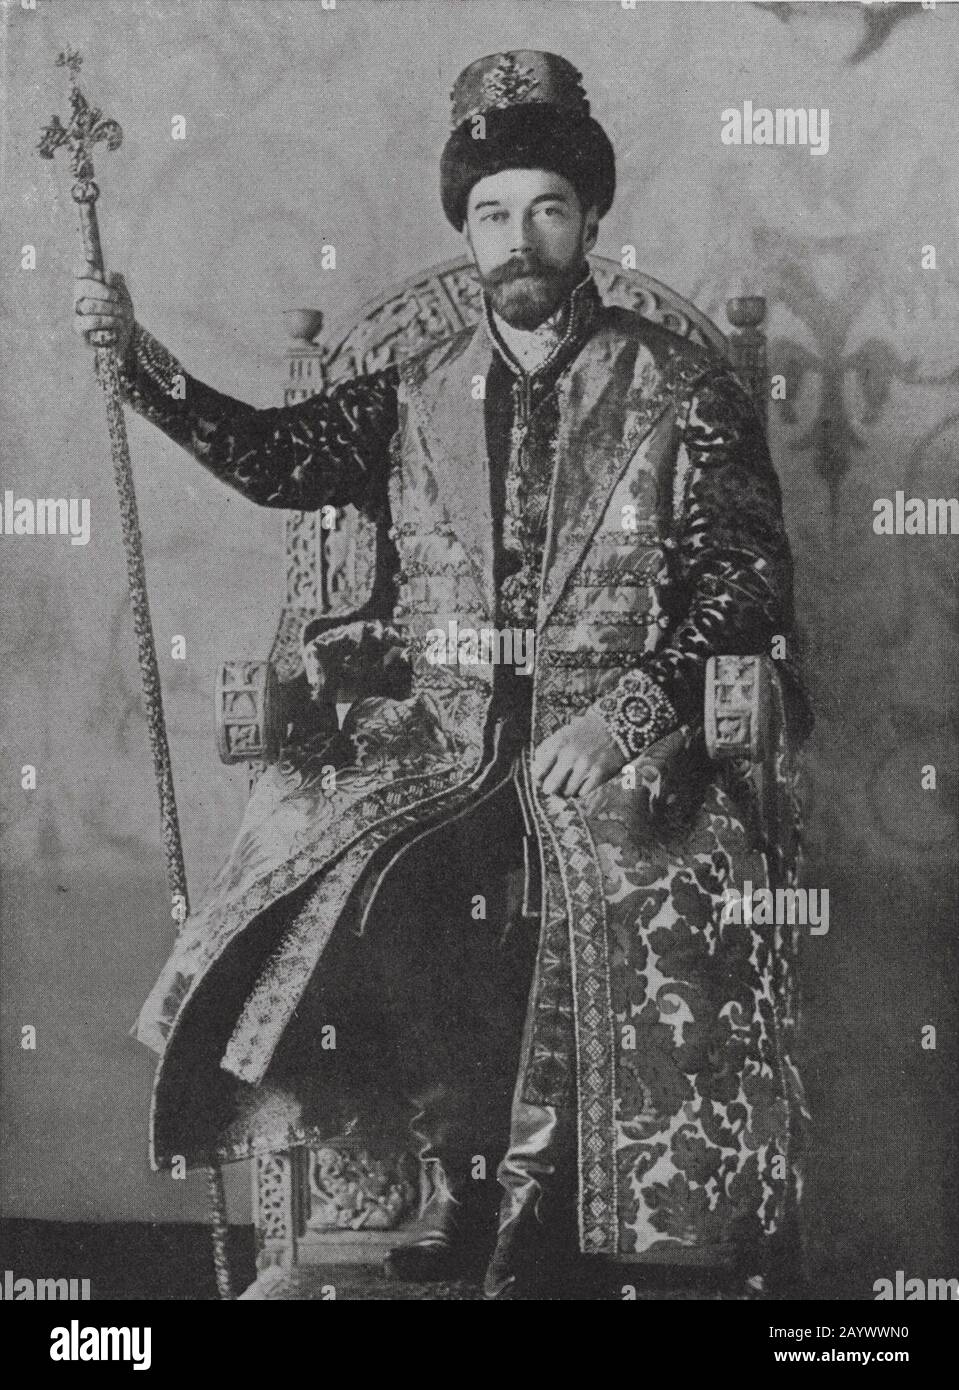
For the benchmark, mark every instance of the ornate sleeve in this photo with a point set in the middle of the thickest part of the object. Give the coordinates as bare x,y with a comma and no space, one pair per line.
732,567
329,450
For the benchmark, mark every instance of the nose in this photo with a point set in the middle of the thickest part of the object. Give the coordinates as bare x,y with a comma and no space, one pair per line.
520,240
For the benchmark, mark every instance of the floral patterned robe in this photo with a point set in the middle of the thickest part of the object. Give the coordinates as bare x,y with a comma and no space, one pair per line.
663,1030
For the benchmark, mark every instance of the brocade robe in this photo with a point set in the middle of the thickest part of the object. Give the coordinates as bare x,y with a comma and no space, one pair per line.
664,1030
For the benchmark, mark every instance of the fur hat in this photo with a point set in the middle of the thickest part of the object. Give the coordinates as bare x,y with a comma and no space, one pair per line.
524,110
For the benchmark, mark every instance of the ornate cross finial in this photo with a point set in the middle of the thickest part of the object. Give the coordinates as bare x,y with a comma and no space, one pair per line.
88,127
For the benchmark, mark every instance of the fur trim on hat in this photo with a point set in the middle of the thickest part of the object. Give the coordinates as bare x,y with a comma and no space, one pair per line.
531,136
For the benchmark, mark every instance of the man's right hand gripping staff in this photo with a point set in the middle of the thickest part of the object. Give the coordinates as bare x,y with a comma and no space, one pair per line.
330,450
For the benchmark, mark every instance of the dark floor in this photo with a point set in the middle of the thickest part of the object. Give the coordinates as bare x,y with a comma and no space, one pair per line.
131,1261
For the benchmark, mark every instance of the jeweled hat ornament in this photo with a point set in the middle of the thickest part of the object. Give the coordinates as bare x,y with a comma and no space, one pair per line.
524,110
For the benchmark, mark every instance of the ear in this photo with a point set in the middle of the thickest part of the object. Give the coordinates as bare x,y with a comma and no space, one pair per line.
590,229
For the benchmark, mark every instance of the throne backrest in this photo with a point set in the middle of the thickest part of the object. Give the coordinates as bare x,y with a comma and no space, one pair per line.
330,572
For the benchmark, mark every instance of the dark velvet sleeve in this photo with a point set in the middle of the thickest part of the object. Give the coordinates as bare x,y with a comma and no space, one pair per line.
329,450
731,563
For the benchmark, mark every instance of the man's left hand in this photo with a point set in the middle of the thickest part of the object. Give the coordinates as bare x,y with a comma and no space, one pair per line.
577,758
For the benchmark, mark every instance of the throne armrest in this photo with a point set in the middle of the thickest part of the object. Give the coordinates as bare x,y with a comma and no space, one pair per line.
248,721
738,702
256,712
746,728
345,657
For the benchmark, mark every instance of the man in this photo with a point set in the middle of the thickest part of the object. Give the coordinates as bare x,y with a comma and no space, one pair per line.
511,902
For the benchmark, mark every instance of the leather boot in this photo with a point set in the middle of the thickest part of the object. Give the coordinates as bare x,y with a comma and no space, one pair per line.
433,1252
520,1261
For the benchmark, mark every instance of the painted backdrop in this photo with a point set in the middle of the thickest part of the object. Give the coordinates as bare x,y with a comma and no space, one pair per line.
307,127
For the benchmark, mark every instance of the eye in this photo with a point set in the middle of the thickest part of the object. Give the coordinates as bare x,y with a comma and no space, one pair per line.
498,216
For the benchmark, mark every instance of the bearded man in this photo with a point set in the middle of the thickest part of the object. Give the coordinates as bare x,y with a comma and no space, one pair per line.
598,1027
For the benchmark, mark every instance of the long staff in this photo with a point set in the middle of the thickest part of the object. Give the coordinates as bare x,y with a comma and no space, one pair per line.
86,129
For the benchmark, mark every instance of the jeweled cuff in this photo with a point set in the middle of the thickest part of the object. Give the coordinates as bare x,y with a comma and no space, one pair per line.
637,713
148,362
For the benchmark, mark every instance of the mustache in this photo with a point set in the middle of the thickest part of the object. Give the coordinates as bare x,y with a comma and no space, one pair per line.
519,268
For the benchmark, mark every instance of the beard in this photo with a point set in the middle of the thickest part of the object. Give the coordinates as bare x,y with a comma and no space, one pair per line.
527,290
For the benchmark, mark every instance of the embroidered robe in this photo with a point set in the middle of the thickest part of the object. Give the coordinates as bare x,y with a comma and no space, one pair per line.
668,1029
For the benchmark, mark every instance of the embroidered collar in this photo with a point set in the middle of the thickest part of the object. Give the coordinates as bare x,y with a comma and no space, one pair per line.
527,352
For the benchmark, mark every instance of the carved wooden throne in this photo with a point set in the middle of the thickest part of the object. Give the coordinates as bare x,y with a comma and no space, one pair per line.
327,1205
